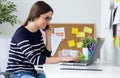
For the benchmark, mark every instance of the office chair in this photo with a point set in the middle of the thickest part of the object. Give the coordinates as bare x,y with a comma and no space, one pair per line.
4,51
5,74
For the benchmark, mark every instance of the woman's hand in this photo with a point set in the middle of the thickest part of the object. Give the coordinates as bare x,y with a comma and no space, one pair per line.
49,31
70,58
51,60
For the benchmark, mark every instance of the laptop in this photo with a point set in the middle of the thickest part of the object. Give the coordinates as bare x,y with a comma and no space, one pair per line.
93,57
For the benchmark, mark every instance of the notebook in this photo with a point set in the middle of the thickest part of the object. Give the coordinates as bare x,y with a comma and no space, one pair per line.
93,57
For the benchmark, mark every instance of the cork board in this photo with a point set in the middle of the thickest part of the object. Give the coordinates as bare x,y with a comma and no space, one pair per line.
68,28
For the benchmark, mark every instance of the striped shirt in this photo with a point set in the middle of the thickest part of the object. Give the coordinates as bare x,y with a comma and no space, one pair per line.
26,50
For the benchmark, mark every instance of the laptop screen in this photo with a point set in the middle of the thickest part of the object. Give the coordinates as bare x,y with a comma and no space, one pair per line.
97,49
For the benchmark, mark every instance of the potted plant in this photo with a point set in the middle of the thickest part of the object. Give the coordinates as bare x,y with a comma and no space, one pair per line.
86,42
6,12
88,46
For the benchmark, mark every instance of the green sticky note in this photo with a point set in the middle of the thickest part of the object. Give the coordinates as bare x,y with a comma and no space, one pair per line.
117,41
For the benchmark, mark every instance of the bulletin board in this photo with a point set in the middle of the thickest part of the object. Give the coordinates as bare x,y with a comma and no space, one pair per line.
72,41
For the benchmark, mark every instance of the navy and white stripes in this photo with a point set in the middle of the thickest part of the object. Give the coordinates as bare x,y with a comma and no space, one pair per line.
26,50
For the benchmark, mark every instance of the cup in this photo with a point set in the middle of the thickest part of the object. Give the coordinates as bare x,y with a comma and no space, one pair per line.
85,52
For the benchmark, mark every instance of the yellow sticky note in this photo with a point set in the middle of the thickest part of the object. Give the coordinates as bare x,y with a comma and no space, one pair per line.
117,0
74,30
79,44
71,43
87,29
80,34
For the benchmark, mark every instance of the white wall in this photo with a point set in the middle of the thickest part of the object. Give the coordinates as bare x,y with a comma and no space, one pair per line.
4,50
109,53
65,11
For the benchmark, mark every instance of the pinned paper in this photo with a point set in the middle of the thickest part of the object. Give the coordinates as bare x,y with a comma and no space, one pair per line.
74,30
60,32
87,29
71,43
55,42
80,34
79,44
117,15
117,0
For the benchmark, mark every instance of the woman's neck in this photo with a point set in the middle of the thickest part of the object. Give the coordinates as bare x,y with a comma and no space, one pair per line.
32,27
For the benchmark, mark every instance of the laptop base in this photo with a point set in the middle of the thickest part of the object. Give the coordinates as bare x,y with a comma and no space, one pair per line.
85,63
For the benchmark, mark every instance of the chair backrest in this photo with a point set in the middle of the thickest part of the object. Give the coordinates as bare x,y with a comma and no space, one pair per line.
4,50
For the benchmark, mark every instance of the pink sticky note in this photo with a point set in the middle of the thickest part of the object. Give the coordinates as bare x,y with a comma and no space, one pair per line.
119,34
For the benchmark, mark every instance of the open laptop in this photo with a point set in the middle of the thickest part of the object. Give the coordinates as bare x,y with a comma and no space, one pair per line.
93,57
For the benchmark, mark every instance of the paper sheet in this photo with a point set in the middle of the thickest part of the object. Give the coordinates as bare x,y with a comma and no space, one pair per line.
107,24
117,16
60,32
55,43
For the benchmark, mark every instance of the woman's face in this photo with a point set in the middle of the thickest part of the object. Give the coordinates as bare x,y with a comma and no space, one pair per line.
44,20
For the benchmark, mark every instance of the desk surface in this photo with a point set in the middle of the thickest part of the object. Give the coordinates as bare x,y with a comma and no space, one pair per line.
108,71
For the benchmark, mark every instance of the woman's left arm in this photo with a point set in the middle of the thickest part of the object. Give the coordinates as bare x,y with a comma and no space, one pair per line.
48,38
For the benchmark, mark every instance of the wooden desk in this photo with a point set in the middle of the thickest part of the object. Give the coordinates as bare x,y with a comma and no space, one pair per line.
108,71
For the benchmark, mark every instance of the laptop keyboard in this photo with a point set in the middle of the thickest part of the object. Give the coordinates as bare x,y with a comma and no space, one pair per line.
73,63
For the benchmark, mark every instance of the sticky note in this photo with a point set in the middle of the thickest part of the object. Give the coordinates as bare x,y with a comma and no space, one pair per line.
119,34
80,34
117,41
117,0
87,29
71,43
74,30
79,44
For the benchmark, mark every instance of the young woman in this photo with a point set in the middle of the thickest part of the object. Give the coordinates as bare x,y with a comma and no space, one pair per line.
27,47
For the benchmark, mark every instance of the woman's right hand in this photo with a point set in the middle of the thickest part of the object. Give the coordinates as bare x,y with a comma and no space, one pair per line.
70,58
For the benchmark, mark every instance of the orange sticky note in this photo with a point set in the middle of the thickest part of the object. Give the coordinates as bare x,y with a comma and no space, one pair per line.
74,30
71,43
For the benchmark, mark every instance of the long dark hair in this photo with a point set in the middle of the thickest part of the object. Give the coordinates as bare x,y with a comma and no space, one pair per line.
40,7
